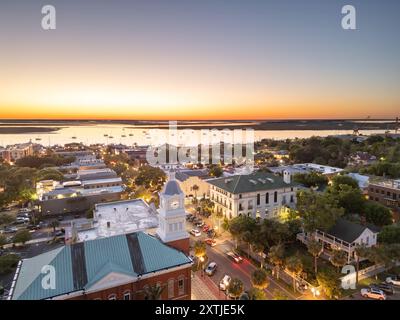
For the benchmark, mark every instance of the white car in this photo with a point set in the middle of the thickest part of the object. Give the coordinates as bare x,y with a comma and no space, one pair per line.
224,283
373,293
195,232
393,280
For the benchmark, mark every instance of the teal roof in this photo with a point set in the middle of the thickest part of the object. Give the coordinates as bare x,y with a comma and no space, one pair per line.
81,265
257,181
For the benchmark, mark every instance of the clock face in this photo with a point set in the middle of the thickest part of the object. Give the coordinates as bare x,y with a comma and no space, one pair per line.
174,204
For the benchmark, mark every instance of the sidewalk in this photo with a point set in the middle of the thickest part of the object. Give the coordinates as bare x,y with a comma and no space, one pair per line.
204,289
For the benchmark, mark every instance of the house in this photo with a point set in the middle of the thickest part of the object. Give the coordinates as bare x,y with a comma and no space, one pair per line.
361,158
258,195
119,267
307,168
386,192
188,179
16,152
345,235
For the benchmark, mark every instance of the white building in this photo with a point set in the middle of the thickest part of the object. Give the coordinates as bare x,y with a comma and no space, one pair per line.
259,195
307,168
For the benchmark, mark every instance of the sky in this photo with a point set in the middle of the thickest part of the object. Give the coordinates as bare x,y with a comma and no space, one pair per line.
192,59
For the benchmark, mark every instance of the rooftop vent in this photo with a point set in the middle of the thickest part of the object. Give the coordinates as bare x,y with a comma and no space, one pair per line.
270,180
263,181
228,180
253,181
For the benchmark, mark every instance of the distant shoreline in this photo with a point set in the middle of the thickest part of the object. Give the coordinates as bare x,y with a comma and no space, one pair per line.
24,130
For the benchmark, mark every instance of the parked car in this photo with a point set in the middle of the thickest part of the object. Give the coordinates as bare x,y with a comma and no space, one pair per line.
60,218
195,232
373,293
234,257
25,210
200,224
224,283
210,242
189,216
206,228
211,269
386,288
211,233
10,229
24,219
393,279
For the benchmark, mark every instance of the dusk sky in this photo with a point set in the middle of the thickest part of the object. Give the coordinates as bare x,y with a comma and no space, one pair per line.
205,59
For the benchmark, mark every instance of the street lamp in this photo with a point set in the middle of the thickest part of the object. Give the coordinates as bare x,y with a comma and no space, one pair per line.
202,266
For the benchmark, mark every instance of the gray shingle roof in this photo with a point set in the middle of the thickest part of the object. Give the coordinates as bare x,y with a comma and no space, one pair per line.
131,254
349,231
248,183
172,188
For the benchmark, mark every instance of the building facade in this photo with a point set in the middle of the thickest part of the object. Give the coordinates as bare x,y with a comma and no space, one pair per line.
258,195
386,193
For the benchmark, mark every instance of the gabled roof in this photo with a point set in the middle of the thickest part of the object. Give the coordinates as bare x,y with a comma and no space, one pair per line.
257,181
349,231
81,265
172,188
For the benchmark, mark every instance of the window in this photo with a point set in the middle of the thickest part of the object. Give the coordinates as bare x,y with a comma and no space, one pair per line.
112,297
170,288
240,206
276,196
127,295
240,196
181,286
250,205
258,199
267,198
291,199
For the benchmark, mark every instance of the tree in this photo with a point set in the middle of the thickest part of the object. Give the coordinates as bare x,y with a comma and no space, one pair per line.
361,251
22,236
340,180
3,240
312,179
235,288
200,251
253,294
215,171
150,177
295,266
195,188
276,256
389,234
317,211
54,224
339,258
279,295
153,292
349,198
329,282
49,174
259,279
377,214
315,248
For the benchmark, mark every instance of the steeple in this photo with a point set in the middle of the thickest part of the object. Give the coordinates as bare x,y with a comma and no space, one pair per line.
172,215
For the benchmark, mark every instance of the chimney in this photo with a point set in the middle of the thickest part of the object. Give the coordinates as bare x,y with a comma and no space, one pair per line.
108,224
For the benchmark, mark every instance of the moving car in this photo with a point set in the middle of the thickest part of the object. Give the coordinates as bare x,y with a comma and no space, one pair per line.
373,293
210,242
211,268
393,279
200,224
234,257
224,283
195,232
206,228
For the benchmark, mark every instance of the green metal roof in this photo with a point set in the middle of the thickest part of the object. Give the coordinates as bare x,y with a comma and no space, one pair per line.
81,265
257,181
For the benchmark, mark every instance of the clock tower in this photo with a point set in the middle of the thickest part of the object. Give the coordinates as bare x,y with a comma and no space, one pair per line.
172,216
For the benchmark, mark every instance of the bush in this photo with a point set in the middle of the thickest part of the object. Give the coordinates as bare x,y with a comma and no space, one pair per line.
22,236
8,262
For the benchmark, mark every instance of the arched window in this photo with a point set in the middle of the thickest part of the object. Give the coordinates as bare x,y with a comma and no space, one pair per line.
112,297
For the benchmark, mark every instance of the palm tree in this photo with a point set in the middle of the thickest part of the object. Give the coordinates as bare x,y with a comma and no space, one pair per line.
235,288
276,257
195,188
361,251
153,292
248,237
259,248
54,224
259,279
339,258
199,251
295,266
315,249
